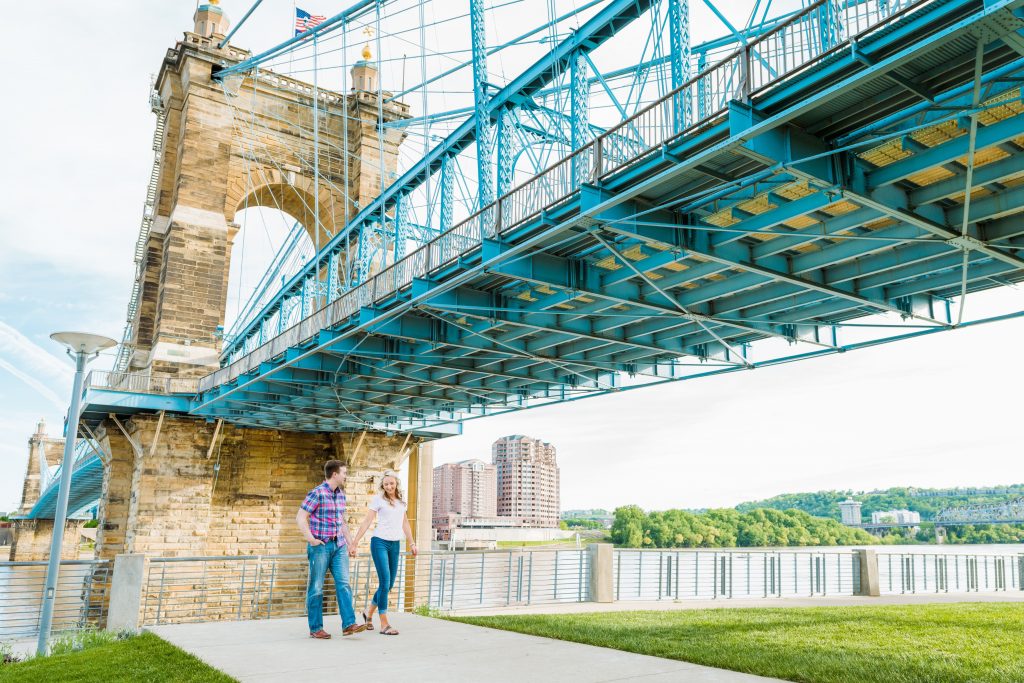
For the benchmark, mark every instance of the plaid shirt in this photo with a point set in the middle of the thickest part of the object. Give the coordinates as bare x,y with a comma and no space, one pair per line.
326,509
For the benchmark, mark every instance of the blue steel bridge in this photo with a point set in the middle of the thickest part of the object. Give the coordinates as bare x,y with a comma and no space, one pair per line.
839,176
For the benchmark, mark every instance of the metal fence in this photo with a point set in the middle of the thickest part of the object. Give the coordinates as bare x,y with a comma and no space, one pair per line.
81,598
711,574
902,573
141,382
191,589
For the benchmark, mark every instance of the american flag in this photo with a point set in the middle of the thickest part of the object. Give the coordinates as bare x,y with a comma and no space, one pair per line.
305,21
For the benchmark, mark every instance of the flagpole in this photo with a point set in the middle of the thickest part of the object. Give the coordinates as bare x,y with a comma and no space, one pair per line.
316,164
295,23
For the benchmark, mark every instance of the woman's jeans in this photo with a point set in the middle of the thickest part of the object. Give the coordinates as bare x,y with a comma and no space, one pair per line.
385,559
321,558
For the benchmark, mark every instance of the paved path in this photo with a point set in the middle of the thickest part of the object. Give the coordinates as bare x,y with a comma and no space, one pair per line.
427,650
735,603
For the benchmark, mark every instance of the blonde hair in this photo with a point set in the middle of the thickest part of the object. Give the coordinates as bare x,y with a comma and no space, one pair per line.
398,488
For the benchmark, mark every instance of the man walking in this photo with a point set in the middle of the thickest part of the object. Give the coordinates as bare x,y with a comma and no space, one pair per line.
321,519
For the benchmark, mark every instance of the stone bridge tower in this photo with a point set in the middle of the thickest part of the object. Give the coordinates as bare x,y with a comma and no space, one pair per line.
32,536
176,485
243,142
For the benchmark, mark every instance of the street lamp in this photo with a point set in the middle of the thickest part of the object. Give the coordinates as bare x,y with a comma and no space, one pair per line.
83,348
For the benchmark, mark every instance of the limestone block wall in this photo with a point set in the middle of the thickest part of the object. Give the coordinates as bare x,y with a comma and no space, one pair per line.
118,462
32,538
168,493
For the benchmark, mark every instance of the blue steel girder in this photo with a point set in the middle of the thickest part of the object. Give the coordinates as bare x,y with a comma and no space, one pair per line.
679,39
788,145
86,485
506,140
580,111
482,113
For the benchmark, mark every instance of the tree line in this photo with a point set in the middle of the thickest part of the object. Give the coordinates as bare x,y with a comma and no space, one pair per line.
925,501
727,528
767,527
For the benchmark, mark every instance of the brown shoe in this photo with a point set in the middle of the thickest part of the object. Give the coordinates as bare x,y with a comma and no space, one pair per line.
353,629
321,635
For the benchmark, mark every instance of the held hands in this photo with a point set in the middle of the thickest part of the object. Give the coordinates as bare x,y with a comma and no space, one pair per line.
351,550
414,549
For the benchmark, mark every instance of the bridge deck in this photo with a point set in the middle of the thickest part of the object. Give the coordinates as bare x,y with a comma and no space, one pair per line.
826,194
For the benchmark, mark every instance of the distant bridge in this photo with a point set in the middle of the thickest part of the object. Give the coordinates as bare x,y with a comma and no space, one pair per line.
1011,512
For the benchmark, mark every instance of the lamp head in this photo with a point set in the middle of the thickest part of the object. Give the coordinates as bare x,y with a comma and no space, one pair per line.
82,342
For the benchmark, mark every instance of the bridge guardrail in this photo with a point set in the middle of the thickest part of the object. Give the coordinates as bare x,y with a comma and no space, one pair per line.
780,53
734,573
917,573
81,599
178,590
141,382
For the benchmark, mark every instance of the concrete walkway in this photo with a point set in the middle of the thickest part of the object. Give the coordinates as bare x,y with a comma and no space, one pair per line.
427,650
736,603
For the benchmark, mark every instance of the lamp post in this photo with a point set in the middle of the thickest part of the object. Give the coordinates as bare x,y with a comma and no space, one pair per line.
83,348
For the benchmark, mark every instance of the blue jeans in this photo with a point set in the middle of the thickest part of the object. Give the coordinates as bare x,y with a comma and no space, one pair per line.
321,558
385,559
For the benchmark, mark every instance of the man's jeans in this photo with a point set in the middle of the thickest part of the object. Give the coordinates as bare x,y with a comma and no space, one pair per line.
385,559
321,558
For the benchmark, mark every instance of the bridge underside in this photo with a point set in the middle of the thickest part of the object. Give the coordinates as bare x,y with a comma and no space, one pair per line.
835,194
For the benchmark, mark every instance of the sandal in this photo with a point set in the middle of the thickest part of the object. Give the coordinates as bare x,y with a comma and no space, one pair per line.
388,631
368,622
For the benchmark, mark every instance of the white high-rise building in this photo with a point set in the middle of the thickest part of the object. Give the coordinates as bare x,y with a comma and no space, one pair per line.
849,509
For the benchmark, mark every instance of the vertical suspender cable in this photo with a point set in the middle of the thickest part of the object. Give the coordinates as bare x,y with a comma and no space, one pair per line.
380,148
423,110
979,58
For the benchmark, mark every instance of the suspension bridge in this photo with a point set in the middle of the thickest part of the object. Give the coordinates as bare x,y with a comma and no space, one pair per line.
628,208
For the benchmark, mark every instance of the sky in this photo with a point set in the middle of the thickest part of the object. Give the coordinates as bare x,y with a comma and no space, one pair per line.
76,132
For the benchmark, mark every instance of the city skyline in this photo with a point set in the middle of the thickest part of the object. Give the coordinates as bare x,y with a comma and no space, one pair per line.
519,488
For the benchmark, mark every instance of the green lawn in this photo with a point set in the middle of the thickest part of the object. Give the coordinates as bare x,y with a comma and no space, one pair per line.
887,644
567,542
142,658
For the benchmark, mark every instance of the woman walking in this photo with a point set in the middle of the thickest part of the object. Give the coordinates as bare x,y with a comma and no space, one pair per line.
389,509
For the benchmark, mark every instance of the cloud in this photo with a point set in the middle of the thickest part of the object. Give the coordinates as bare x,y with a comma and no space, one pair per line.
43,390
31,363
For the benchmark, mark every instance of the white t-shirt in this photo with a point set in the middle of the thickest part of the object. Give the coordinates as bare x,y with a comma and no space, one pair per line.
389,518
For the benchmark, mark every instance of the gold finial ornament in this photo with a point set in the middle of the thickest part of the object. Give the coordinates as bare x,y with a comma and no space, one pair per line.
214,2
368,32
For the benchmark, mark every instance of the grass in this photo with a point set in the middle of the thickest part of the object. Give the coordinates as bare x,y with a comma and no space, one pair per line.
524,544
947,643
585,540
141,658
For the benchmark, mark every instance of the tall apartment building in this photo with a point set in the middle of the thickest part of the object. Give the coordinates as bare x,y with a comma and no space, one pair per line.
528,480
467,488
